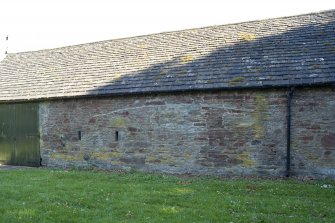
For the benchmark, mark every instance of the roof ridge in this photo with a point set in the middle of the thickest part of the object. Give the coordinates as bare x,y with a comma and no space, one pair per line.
174,31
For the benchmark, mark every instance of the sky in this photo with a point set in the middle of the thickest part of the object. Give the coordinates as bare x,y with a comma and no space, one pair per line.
43,24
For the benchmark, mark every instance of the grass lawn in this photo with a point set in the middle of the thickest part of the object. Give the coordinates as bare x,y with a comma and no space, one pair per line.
44,195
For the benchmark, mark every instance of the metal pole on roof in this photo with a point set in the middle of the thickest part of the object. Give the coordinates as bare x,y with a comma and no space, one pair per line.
6,45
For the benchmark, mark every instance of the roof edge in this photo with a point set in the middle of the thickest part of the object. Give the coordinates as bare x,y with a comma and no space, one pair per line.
235,88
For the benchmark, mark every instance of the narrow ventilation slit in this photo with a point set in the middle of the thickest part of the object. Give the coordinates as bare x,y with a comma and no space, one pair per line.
116,135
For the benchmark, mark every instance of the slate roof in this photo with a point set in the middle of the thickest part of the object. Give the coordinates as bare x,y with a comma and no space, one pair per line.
297,50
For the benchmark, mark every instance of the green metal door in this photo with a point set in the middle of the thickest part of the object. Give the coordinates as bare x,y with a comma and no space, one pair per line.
7,134
19,134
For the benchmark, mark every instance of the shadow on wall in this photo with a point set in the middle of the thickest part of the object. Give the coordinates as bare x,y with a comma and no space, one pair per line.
303,55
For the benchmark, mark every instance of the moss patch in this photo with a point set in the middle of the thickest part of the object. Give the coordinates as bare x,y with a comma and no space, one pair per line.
163,72
182,73
105,156
237,81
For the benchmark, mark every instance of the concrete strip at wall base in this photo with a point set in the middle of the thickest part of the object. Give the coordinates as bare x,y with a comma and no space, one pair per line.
219,133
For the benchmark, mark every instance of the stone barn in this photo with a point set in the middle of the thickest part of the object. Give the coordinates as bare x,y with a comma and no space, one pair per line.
254,98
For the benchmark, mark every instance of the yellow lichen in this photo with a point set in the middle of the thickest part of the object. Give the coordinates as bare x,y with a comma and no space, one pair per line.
228,41
246,159
151,159
104,149
116,154
313,157
166,159
117,162
182,73
247,36
257,69
262,105
102,155
117,76
188,155
66,156
164,156
236,81
193,30
186,58
142,46
118,122
163,72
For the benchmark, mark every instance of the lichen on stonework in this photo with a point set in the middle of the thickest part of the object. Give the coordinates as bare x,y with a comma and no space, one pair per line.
237,81
247,36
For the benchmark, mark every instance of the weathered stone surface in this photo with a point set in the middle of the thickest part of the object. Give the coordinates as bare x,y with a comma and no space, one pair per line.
221,133
313,132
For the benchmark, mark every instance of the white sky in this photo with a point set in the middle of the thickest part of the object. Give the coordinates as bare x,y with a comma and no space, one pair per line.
40,24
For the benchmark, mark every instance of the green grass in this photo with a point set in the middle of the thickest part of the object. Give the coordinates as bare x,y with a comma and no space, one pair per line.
44,195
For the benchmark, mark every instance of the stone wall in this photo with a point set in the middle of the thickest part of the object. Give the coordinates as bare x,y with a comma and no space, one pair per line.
221,133
313,132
